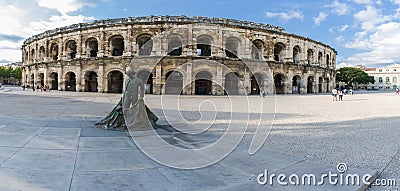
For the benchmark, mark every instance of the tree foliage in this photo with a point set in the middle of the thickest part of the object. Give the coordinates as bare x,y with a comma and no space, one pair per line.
350,75
9,72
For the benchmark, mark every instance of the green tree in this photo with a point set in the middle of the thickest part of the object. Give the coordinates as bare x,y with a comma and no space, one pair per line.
350,75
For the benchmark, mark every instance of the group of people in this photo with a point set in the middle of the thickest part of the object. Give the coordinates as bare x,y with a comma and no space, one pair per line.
42,88
336,92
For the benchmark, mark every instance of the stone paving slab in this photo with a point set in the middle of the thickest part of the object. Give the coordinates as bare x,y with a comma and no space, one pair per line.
111,160
137,180
7,152
61,132
40,159
14,139
34,180
105,143
53,142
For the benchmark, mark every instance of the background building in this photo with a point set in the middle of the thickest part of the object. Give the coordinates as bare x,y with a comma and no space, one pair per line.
178,55
386,78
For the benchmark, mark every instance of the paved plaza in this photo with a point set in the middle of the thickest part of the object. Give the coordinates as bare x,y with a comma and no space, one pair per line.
48,142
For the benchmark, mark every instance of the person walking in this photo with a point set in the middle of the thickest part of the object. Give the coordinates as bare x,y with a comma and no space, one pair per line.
334,94
397,91
340,95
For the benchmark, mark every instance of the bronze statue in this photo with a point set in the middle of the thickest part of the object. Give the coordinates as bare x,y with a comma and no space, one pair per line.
130,112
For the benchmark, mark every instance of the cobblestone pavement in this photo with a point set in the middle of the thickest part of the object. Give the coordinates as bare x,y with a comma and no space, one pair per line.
48,137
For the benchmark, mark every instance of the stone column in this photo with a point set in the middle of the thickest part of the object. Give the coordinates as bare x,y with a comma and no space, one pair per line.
23,79
217,81
187,82
189,49
247,82
78,78
219,43
46,81
158,81
100,82
60,78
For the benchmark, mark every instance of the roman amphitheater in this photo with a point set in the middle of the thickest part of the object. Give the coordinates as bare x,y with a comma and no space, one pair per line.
178,55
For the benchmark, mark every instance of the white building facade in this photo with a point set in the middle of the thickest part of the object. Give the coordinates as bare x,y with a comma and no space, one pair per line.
386,78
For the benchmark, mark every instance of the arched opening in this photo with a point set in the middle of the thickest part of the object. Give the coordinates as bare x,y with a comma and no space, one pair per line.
232,47
42,54
174,82
145,44
203,83
54,51
174,46
327,60
394,81
117,45
91,82
296,84
147,78
92,47
32,81
256,81
279,84
33,55
278,52
310,56
257,49
70,81
204,45
41,79
310,83
231,84
70,48
296,54
327,85
54,81
115,82
320,58
320,82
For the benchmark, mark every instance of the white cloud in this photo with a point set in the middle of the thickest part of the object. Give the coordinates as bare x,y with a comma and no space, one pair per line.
320,18
383,45
339,8
63,6
366,2
343,28
24,18
339,39
395,1
294,14
370,17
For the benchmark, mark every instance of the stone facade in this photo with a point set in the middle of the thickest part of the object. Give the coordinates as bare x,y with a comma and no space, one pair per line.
386,78
178,54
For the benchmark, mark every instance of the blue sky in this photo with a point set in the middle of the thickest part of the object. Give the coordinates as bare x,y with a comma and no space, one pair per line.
362,31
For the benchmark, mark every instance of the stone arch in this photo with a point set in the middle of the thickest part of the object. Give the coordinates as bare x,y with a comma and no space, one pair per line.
70,81
256,82
41,79
42,54
71,49
279,81
257,49
174,45
231,84
33,55
320,84
296,84
54,51
32,80
232,47
203,46
92,47
173,82
310,56
117,46
310,84
320,58
147,78
54,80
296,54
91,84
145,44
279,51
115,81
327,60
203,83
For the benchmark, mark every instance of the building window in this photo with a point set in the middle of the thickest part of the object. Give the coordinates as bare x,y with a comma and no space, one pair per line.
387,80
380,70
380,80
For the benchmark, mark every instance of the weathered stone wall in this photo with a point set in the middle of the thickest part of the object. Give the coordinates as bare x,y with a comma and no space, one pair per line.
103,47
